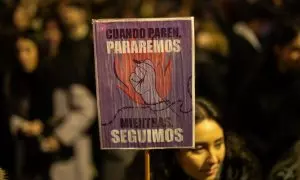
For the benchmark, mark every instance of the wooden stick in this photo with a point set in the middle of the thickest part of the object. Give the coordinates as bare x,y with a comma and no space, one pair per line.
147,165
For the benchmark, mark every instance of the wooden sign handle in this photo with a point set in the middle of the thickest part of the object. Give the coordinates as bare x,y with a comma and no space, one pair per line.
147,165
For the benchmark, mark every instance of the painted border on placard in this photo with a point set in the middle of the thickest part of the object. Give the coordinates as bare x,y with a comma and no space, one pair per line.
94,21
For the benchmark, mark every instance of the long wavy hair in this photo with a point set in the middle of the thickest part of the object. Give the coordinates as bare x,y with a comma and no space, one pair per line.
239,162
36,85
165,165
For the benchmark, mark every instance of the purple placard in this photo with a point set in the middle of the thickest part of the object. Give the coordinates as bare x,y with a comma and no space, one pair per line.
145,82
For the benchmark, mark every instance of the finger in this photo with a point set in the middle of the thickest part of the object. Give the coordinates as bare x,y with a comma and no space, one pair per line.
140,72
148,62
146,65
145,68
134,78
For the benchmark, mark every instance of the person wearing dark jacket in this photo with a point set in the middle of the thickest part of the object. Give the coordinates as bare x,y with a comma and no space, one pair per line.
246,61
76,46
247,49
271,110
27,93
49,117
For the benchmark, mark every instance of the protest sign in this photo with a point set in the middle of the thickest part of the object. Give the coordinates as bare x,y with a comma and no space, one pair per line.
145,82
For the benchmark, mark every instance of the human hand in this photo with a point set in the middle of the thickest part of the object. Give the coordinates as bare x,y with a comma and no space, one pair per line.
143,81
50,144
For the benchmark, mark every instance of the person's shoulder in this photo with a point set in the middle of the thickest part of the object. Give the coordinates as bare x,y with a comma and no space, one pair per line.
240,162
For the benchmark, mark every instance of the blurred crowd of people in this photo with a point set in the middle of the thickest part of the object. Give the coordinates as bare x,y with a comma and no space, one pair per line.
247,65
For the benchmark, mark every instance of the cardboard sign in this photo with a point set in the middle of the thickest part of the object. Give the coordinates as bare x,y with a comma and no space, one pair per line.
145,82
